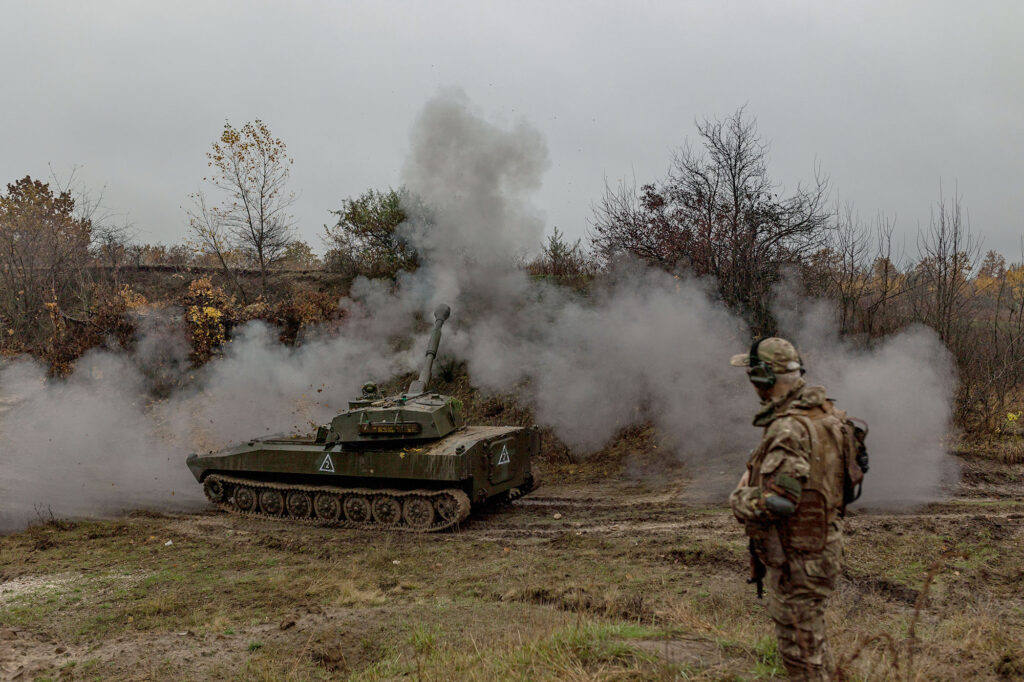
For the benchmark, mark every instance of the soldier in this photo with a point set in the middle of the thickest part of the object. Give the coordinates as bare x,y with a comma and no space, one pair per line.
790,501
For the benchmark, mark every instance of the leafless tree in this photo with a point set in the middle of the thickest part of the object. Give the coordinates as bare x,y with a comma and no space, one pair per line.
948,254
208,225
111,233
879,314
848,272
719,214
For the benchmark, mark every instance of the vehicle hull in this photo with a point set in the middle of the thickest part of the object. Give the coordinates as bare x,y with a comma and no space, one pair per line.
482,461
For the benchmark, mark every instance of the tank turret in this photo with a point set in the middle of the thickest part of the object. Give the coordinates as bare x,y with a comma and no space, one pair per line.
412,416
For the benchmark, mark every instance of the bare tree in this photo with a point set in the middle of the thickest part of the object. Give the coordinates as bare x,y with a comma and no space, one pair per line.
112,234
880,314
207,224
719,214
111,245
948,254
861,276
849,280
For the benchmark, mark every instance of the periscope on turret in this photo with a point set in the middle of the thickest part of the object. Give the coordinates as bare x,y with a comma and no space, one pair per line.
405,462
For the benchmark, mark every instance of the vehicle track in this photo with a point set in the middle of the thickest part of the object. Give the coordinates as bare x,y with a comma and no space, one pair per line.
377,509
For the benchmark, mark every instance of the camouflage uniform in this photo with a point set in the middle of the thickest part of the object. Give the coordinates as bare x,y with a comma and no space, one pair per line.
803,551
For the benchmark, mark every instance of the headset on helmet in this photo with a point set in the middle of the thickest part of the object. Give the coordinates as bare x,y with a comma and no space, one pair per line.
760,372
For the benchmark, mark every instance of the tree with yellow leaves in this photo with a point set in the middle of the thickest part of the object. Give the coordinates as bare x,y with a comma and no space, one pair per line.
250,168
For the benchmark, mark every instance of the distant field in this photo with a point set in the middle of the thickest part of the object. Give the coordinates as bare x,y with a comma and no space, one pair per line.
627,583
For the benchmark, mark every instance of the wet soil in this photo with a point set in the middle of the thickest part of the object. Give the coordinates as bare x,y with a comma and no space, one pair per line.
988,503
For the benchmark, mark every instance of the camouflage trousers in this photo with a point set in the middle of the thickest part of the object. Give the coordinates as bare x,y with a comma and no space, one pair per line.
797,592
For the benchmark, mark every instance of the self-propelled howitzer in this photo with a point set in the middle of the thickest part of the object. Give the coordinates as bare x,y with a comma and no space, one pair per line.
405,461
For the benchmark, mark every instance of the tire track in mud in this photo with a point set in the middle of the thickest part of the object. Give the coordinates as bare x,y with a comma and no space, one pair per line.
542,516
661,513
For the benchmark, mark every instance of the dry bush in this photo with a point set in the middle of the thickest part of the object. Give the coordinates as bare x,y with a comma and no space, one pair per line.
210,314
108,322
301,310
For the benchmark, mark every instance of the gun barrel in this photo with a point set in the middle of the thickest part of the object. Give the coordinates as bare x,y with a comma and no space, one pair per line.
441,314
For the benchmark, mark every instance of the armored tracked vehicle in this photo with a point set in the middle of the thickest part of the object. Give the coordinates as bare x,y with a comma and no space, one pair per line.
406,462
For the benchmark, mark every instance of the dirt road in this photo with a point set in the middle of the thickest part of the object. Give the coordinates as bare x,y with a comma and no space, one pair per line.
603,581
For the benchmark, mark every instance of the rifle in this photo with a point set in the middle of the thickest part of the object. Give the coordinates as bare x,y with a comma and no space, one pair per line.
757,570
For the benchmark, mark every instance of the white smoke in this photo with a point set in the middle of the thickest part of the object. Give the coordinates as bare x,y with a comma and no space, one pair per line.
82,446
642,345
902,387
96,444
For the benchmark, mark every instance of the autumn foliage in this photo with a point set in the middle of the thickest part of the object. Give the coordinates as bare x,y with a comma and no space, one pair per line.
44,253
209,316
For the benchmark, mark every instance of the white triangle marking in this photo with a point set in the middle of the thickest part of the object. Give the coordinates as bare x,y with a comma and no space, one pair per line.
328,464
503,458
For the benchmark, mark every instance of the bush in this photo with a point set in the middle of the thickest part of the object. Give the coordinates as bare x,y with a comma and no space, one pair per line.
109,321
210,314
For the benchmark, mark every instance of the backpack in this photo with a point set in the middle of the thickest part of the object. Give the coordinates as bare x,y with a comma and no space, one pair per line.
855,457
854,433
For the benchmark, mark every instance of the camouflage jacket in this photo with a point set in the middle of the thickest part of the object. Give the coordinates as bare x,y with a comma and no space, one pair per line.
802,441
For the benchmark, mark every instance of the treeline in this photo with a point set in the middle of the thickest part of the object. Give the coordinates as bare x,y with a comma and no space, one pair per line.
718,214
69,277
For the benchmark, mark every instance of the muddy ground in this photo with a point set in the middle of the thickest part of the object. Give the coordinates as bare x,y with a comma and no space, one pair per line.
594,581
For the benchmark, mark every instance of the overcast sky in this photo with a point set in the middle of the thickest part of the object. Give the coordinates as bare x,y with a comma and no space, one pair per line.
889,98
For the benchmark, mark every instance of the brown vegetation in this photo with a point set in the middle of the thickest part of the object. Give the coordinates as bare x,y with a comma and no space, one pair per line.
717,214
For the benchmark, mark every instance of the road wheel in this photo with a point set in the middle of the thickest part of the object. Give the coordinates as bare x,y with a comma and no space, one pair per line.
447,507
357,509
418,512
387,510
299,504
328,507
271,502
245,498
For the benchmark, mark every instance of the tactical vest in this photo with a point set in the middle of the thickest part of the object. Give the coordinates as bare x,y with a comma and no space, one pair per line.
821,501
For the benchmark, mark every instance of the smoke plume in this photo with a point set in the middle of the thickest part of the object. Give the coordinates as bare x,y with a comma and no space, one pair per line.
903,388
641,346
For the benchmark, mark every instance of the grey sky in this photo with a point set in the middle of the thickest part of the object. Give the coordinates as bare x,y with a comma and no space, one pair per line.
890,98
